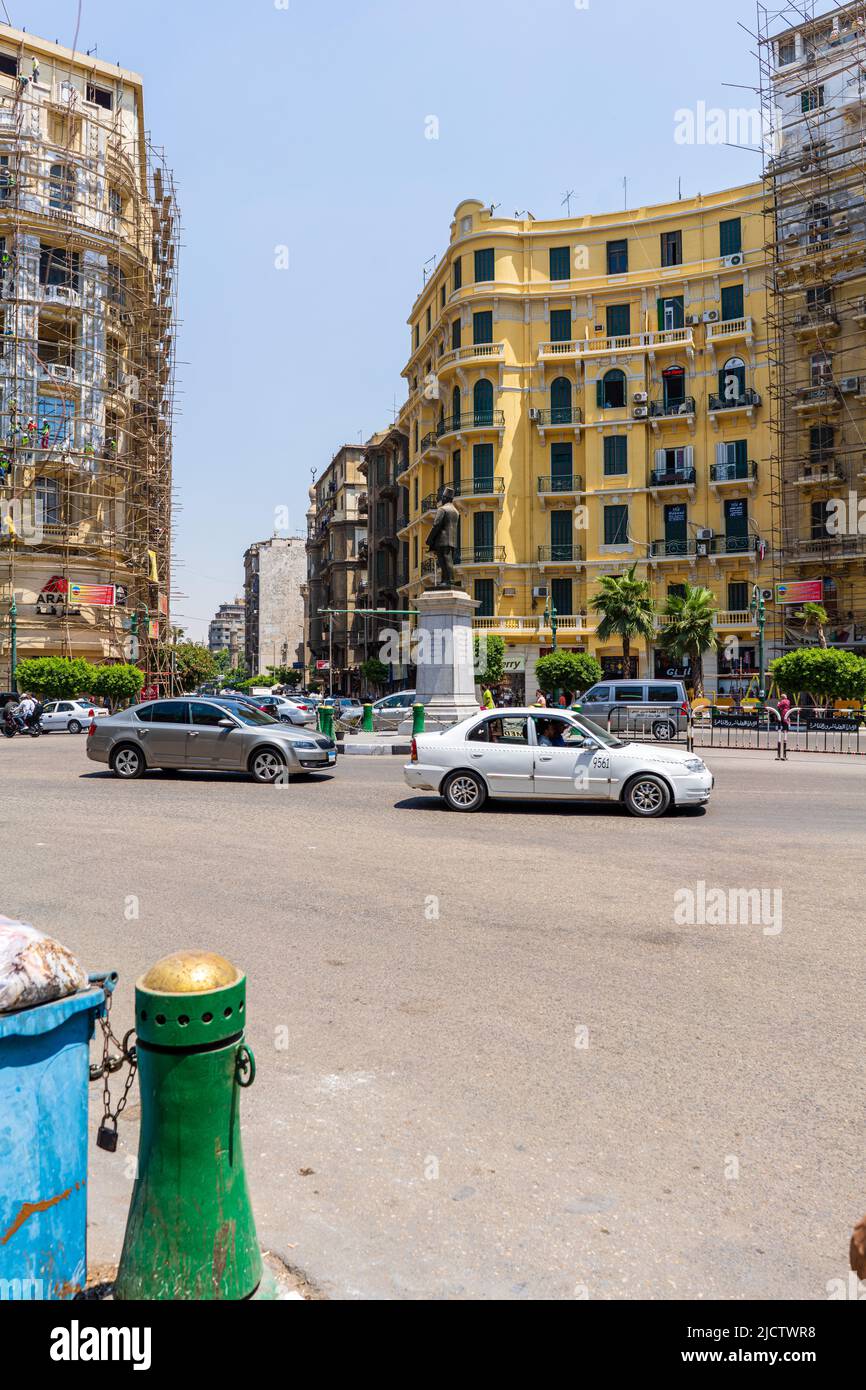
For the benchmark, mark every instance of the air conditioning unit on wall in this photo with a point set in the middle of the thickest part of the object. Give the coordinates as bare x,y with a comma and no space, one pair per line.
540,591
711,316
705,533
640,412
640,397
730,262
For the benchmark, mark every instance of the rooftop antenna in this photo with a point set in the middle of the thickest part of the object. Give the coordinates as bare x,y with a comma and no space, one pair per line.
424,270
91,51
680,189
395,409
625,193
566,202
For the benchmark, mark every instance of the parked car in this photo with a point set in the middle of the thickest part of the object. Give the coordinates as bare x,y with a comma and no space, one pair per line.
286,710
348,709
218,734
512,753
657,707
72,715
390,712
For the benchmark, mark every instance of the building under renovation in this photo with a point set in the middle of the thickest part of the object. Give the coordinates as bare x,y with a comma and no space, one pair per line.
88,246
813,84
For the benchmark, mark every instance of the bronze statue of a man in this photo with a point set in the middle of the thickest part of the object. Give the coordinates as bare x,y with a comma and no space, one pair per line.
442,540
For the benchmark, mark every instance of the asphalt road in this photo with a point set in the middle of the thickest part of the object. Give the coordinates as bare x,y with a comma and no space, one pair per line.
491,1061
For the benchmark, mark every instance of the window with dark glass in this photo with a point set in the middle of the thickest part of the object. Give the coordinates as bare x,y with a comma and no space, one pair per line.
482,327
730,236
616,525
738,596
611,390
560,401
561,536
561,594
561,467
484,265
618,320
615,455
482,403
560,325
560,263
482,536
617,257
482,468
484,598
672,248
732,302
458,273
455,334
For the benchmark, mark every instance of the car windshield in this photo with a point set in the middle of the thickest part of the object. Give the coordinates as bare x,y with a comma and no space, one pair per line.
247,714
604,738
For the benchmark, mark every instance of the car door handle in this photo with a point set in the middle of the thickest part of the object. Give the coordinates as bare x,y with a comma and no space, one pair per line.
477,755
193,734
545,757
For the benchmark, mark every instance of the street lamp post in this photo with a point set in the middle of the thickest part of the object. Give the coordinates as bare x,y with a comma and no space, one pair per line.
760,615
550,617
13,646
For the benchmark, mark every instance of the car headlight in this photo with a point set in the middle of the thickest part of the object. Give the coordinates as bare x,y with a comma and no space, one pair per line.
302,743
696,765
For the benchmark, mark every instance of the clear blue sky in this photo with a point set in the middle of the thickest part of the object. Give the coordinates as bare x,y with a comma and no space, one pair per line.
304,126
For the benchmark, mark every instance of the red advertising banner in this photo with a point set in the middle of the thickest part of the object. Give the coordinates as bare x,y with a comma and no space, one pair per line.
92,595
801,591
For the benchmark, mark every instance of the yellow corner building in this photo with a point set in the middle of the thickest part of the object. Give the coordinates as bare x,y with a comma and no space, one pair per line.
596,391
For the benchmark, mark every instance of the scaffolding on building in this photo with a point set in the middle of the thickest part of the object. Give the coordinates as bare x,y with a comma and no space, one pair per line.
815,217
89,234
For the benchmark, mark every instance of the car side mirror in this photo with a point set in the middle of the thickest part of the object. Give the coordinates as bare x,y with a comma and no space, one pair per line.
226,724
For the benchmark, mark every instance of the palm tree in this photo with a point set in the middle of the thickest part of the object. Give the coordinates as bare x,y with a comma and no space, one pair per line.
626,609
690,629
814,616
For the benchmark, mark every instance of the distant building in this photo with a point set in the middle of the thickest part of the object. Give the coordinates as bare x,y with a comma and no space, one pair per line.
386,457
226,631
274,571
337,572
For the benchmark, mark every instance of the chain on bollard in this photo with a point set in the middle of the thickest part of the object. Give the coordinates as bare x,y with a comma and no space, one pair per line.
106,1137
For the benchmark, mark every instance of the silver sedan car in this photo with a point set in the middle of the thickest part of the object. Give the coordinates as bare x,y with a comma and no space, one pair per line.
553,755
216,734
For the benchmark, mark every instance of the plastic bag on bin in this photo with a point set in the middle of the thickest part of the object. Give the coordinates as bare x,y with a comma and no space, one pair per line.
34,969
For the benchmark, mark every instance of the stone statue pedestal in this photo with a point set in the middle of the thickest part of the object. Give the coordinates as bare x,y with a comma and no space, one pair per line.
445,674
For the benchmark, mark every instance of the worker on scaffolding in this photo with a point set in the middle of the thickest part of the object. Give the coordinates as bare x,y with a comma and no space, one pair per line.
30,437
34,68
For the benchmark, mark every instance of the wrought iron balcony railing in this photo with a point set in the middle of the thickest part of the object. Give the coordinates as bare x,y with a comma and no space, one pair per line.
684,406
566,553
675,477
741,470
560,482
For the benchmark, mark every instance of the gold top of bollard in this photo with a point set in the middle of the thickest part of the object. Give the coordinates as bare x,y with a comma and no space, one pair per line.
190,972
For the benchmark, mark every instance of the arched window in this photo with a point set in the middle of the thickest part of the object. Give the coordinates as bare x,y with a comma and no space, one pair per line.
560,401
46,493
674,387
456,407
732,381
611,390
482,402
61,187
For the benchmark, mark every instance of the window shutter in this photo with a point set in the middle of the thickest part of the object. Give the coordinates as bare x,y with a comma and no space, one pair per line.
689,456
660,456
599,393
721,453
660,306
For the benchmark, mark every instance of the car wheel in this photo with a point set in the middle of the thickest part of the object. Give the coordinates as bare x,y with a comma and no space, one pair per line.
268,766
664,729
463,791
647,795
74,726
127,762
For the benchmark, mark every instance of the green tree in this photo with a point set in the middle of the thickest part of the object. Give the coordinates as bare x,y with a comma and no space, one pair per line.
193,665
283,675
569,671
814,618
255,682
223,661
119,685
825,673
55,677
690,629
374,671
625,607
489,653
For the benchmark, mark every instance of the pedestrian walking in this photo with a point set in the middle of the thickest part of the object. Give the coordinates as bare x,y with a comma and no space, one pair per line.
784,708
487,700
540,699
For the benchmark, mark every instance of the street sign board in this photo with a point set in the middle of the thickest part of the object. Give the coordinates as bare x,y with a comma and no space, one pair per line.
800,591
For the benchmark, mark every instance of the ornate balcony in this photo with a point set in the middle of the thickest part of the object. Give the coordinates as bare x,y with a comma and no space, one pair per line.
567,553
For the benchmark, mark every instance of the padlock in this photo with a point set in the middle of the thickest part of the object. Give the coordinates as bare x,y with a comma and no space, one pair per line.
106,1137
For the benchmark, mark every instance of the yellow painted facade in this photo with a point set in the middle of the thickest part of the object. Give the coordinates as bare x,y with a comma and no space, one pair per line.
597,390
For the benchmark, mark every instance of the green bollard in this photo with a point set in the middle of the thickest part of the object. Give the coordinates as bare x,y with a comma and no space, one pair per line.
328,721
367,721
417,719
190,1233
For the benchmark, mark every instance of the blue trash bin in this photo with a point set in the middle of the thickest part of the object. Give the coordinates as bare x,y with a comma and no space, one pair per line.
44,1075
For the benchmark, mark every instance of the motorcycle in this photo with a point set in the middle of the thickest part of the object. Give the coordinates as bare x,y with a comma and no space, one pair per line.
12,725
